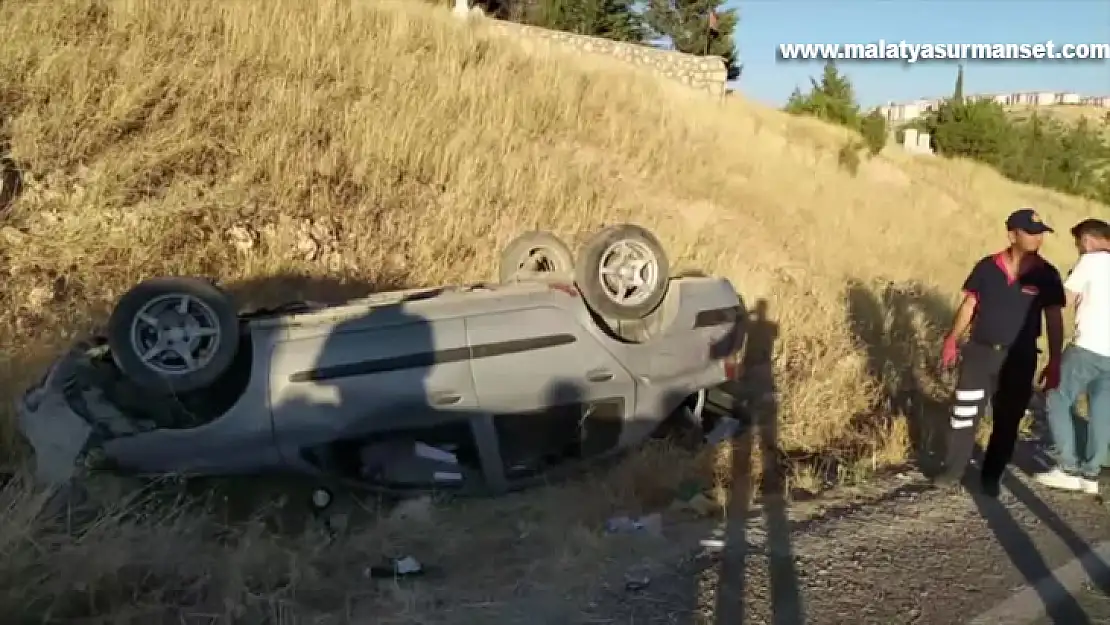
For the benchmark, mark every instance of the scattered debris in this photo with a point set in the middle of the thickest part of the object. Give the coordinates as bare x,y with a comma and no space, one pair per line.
406,462
650,524
406,566
725,429
692,497
417,510
715,541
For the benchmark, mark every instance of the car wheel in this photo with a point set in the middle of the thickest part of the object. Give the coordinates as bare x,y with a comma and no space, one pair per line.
623,272
174,334
533,253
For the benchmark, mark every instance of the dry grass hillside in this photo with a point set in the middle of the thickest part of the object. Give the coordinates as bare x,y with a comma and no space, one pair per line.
282,145
1097,117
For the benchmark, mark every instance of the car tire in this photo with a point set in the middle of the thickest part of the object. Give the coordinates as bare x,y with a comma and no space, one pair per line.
602,273
535,253
191,314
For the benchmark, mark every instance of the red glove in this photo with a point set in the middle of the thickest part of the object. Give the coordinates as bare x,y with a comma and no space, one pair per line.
1050,375
949,352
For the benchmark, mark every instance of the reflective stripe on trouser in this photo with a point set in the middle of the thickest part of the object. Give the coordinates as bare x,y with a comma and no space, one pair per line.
969,404
991,377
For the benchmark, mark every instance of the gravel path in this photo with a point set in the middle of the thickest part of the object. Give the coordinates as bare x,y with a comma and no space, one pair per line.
917,556
1093,601
896,551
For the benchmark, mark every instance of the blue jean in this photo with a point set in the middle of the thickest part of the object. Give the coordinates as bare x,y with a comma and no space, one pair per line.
1081,371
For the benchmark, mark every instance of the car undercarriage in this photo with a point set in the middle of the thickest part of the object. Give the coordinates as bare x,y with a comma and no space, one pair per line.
482,388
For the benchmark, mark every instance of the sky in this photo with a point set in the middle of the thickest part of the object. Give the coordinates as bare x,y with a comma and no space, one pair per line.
766,23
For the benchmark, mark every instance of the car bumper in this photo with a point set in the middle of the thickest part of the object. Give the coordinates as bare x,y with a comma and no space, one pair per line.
58,435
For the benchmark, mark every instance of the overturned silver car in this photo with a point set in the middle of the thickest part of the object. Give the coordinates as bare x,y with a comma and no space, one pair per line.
480,388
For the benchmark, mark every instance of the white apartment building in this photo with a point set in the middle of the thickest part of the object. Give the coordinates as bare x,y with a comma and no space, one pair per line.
901,112
990,97
907,111
1037,98
1101,101
1033,98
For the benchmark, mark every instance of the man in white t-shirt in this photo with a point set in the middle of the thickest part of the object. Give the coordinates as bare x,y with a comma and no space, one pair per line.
1085,366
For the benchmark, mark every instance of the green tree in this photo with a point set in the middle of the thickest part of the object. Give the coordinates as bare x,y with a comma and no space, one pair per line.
698,27
874,131
832,99
797,103
958,93
1033,154
1070,158
978,130
611,19
1084,159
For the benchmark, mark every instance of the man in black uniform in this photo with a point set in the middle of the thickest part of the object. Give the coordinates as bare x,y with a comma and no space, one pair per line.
1004,297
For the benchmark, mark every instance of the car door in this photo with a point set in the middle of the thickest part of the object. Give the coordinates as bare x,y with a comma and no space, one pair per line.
546,380
398,372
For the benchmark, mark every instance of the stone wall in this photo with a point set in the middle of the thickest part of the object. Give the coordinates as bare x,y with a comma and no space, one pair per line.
703,73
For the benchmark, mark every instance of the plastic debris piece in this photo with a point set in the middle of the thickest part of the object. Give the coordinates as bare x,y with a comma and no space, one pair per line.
650,524
725,429
406,566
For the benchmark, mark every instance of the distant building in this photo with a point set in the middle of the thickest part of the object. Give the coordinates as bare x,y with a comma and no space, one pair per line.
902,112
1101,101
1033,98
908,111
989,97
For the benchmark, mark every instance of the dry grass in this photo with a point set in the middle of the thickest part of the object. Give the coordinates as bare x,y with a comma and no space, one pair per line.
1097,117
378,145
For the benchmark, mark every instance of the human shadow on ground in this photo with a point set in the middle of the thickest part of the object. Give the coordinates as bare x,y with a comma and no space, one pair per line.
349,381
281,498
356,398
535,389
1059,604
884,322
1097,569
333,384
754,403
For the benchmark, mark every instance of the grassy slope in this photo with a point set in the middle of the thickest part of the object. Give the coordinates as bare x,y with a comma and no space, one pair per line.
278,143
1096,117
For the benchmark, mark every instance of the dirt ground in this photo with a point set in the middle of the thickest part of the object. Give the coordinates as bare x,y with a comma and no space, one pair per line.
892,551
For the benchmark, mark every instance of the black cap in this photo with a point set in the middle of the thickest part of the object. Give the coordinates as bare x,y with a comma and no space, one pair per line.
1026,220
